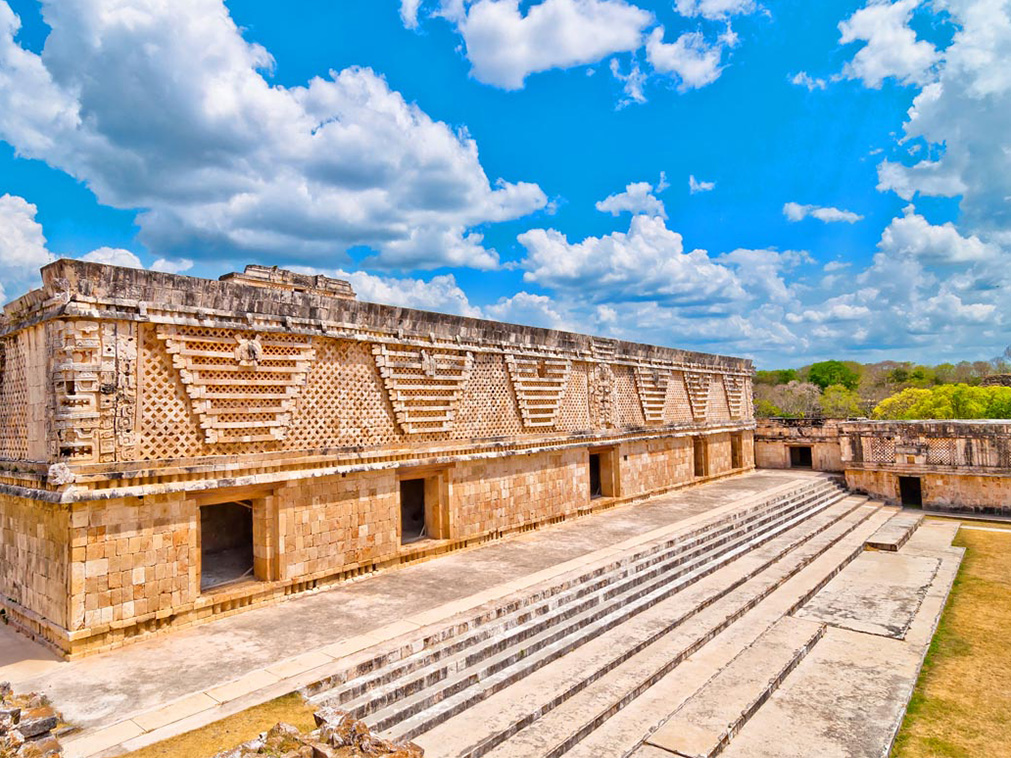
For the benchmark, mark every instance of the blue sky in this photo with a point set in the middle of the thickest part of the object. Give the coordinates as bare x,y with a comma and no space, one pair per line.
785,181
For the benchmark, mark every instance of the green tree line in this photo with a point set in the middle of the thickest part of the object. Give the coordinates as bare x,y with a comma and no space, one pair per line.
886,390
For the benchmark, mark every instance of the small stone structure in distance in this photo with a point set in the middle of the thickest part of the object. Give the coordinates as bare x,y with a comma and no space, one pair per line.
956,466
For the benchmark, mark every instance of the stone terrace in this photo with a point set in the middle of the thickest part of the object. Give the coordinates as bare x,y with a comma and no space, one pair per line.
577,639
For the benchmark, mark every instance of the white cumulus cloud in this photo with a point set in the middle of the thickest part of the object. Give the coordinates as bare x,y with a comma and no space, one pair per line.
965,115
164,107
649,261
912,235
798,212
638,197
505,43
533,310
891,49
23,248
691,59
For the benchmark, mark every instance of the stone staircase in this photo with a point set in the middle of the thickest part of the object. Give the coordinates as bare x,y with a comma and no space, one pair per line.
554,672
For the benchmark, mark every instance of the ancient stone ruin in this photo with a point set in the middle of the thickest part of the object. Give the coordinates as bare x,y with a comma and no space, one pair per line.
337,735
173,449
26,726
945,465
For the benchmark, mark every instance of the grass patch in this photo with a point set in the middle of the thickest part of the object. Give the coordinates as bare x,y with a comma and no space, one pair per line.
962,703
233,730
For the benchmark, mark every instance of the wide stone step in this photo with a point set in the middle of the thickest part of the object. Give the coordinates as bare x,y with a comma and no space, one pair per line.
633,655
562,729
440,694
704,725
629,725
560,625
896,532
585,590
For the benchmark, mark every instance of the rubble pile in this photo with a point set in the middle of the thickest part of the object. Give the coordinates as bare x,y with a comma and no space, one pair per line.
338,735
26,726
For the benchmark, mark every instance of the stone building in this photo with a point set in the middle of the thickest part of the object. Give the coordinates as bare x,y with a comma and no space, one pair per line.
173,449
798,443
962,466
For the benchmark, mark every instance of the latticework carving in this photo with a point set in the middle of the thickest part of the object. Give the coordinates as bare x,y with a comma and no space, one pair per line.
574,412
882,450
651,383
628,409
942,451
489,407
13,400
424,385
697,384
717,409
243,386
168,428
677,409
734,385
539,384
343,402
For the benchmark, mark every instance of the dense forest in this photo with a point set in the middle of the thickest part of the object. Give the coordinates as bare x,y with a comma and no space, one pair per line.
887,390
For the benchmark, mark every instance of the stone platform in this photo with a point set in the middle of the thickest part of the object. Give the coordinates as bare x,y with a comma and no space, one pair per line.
716,619
173,683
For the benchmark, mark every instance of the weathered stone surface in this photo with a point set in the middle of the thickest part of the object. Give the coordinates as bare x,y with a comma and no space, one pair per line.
130,400
26,723
962,466
338,736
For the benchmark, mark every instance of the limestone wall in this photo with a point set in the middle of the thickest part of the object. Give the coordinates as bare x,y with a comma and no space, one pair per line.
959,493
506,493
655,464
34,561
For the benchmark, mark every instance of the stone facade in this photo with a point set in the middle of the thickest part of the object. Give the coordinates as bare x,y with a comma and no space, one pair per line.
141,411
952,465
962,466
776,438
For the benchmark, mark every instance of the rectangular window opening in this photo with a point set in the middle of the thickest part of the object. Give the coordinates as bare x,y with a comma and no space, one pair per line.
226,544
413,526
800,457
911,491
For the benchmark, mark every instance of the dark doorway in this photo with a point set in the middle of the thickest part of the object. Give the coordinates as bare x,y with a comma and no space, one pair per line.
800,457
736,445
226,544
699,454
412,511
596,486
911,491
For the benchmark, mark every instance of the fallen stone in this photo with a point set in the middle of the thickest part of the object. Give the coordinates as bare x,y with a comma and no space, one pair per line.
37,721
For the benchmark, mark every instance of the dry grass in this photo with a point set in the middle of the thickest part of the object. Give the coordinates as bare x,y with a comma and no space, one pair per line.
232,731
962,704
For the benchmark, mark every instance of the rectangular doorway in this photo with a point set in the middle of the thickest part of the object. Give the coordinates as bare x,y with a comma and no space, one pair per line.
800,457
413,525
226,544
700,458
911,491
596,485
